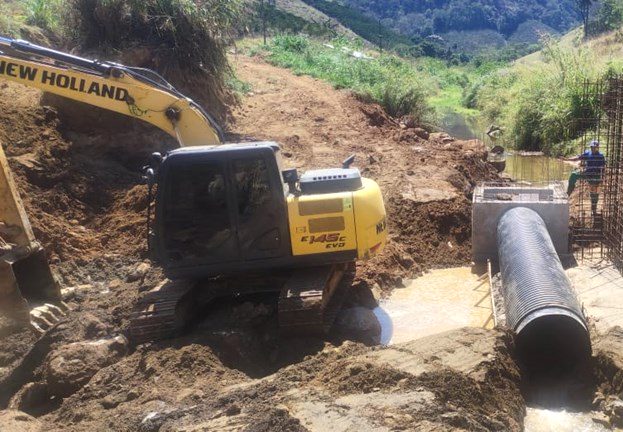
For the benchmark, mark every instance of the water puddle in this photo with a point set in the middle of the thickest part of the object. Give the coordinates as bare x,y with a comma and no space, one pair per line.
547,420
439,301
537,167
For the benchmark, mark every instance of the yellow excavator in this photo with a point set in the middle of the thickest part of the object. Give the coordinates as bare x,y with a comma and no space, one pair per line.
228,218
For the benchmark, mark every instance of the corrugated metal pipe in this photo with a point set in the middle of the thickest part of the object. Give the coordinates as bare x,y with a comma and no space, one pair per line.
541,305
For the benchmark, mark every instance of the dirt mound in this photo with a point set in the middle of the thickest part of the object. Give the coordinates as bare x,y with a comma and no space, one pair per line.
81,192
465,381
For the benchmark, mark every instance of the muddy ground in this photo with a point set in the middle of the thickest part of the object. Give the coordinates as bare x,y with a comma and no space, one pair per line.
81,187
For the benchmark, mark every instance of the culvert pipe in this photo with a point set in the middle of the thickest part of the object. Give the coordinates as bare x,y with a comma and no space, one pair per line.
541,305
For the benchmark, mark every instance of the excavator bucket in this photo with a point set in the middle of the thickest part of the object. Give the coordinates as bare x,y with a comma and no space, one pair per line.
26,283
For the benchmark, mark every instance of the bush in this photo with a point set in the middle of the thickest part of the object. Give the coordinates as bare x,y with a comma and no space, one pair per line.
297,44
609,17
538,106
43,13
184,40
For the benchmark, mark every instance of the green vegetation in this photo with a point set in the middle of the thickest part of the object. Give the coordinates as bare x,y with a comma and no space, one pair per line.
426,88
364,26
537,103
184,40
43,13
425,17
279,22
388,80
609,17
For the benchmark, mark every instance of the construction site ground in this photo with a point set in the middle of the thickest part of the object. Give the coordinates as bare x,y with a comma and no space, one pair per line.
79,173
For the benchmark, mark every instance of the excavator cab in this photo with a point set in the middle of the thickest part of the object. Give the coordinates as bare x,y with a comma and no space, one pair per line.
220,209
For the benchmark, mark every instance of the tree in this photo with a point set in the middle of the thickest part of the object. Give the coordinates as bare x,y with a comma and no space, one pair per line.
585,9
265,9
609,17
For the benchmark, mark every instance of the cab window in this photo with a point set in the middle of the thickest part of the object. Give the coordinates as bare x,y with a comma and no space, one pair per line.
252,186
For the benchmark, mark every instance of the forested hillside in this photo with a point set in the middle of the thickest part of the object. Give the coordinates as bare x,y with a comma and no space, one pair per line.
425,17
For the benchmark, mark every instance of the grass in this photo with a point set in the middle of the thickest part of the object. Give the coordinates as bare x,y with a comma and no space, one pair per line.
537,100
185,40
387,79
425,88
45,14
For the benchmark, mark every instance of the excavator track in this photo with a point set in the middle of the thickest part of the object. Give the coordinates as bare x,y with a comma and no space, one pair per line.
156,315
311,299
308,303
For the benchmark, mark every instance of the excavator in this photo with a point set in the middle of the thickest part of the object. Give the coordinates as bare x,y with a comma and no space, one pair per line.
228,219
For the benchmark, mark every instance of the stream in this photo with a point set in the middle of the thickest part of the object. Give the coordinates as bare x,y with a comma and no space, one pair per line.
520,166
452,298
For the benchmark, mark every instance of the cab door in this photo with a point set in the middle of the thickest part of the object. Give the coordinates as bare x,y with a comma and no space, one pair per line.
197,218
260,206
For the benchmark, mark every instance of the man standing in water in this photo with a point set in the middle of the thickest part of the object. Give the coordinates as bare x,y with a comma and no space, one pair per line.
592,164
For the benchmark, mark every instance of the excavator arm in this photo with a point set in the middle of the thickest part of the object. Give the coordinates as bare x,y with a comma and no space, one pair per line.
26,281
135,92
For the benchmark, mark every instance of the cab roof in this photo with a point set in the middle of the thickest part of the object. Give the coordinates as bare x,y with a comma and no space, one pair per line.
226,148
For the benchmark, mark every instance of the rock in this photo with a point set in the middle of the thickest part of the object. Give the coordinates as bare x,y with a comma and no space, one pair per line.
615,409
94,328
421,133
132,394
139,272
17,421
30,396
70,293
406,261
599,401
601,419
110,402
359,321
71,366
233,410
114,284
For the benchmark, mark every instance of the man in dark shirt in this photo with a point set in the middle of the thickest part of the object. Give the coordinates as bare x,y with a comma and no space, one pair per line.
593,164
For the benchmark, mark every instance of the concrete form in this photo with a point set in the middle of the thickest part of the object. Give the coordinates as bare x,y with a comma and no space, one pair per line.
491,201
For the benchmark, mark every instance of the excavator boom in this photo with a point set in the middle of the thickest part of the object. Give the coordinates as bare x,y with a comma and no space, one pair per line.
135,92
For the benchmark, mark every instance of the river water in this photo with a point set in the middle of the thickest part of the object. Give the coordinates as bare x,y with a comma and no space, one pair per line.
533,167
537,167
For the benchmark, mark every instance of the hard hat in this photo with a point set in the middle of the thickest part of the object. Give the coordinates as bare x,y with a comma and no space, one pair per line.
594,143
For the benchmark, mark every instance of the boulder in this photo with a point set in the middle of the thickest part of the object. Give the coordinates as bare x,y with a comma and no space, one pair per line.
139,272
69,367
421,133
30,396
359,322
614,408
17,421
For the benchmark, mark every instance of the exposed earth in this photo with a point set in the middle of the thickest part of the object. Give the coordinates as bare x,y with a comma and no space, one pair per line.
232,371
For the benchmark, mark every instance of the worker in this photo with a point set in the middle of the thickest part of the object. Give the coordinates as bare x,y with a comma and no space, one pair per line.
593,164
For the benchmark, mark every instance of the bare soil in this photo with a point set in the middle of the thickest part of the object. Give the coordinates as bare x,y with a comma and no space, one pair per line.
82,191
